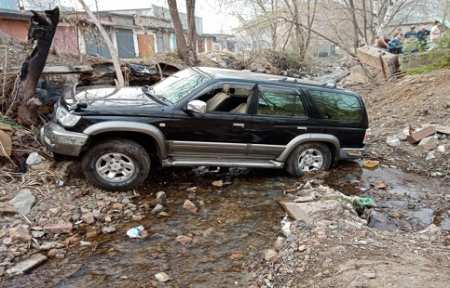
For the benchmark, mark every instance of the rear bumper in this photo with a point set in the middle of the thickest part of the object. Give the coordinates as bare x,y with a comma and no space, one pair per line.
59,140
351,153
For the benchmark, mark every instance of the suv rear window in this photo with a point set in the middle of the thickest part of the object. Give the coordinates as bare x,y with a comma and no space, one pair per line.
337,106
280,103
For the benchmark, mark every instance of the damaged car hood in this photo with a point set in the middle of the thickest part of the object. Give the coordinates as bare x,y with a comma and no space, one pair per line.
107,97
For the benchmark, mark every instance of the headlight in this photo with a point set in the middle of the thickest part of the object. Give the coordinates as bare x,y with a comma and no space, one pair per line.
66,118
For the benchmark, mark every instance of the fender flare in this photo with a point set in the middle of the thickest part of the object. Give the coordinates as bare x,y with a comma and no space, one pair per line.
305,138
130,126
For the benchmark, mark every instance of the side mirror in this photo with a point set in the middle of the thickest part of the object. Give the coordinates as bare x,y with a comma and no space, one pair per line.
196,106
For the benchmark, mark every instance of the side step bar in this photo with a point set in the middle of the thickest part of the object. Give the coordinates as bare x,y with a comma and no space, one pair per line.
247,163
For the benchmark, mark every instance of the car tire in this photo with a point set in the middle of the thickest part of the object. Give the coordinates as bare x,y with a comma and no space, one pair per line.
321,158
116,165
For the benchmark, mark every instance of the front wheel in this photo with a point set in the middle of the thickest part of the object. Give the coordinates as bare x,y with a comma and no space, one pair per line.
309,157
116,165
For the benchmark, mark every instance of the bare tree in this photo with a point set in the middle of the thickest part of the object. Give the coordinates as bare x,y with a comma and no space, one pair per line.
186,52
112,50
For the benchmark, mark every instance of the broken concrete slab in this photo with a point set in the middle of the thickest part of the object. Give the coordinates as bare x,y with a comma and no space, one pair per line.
27,265
23,201
308,211
416,137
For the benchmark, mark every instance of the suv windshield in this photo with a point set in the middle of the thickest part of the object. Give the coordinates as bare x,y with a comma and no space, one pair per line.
179,85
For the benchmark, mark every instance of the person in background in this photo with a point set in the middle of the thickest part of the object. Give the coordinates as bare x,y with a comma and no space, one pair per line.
395,45
422,36
411,33
381,43
435,34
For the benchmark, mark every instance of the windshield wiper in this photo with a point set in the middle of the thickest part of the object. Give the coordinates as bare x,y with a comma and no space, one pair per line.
149,91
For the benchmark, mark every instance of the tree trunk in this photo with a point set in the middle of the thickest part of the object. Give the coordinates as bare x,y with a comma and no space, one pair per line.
190,7
42,30
182,48
112,50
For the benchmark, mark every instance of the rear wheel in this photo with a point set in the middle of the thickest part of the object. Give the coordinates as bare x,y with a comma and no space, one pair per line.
309,157
116,165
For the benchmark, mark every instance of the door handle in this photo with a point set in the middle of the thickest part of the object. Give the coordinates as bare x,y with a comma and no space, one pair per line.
240,125
302,128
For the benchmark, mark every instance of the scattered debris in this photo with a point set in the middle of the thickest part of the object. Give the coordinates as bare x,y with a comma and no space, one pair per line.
188,205
393,141
23,201
5,144
61,228
217,183
20,233
162,277
34,159
161,198
157,209
184,240
371,164
109,229
415,137
27,264
138,232
270,254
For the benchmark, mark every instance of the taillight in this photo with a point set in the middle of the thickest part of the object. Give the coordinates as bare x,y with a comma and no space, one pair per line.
366,137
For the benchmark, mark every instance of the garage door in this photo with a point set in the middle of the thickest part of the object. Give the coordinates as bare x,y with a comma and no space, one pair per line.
125,43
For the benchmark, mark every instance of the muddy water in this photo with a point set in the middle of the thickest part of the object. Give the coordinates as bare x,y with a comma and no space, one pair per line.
240,220
407,203
235,225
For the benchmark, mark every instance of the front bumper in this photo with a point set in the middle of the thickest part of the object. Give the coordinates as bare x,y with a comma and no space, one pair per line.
59,140
351,153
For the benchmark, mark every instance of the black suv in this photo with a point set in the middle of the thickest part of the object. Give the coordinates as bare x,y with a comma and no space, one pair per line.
207,117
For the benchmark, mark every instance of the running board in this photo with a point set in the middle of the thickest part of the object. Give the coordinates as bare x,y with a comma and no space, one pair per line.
250,163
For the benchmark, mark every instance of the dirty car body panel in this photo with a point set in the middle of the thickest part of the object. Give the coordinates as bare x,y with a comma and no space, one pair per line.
255,136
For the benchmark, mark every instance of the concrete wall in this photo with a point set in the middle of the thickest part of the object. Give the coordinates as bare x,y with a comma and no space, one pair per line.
66,40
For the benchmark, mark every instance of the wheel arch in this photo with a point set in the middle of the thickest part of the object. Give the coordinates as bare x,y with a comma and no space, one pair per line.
149,136
330,140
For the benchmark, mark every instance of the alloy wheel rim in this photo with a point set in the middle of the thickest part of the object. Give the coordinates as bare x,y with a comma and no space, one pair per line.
310,160
115,167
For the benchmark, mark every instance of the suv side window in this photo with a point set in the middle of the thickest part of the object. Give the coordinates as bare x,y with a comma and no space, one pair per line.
280,102
337,106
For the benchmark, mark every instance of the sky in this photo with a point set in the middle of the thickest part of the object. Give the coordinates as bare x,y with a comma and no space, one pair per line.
215,19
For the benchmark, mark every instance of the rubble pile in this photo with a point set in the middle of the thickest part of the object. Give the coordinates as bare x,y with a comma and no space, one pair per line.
329,245
52,210
410,104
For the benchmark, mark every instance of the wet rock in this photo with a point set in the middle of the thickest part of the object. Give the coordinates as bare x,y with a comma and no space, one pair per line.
108,229
270,254
138,217
163,214
23,201
189,206
161,198
302,248
27,265
162,277
217,183
60,228
381,221
20,233
88,218
184,240
158,208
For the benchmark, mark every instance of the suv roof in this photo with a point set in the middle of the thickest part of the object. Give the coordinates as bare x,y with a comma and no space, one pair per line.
228,74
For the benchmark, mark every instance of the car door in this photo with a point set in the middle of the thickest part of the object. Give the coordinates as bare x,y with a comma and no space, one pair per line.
281,115
215,134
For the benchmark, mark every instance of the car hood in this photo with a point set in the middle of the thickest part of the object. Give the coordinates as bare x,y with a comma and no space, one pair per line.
106,97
